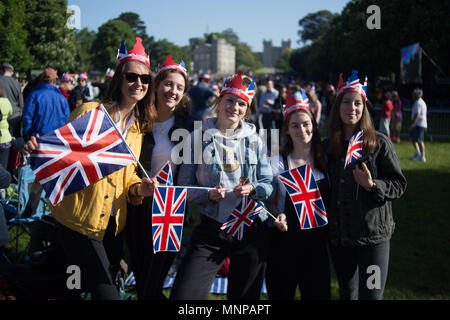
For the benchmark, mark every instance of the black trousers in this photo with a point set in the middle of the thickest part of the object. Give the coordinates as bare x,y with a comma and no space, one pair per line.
209,247
361,271
298,258
98,260
150,269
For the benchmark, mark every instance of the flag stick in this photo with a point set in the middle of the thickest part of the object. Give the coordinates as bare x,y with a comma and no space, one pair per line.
187,187
123,139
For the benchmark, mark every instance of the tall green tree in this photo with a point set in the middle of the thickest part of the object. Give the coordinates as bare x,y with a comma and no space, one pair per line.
13,37
108,39
50,41
315,24
85,39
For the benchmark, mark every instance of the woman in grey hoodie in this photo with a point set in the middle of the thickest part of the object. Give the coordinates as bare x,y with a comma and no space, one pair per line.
234,164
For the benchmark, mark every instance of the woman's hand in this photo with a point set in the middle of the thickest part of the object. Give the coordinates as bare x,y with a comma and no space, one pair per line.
363,177
243,190
281,222
31,145
147,187
217,194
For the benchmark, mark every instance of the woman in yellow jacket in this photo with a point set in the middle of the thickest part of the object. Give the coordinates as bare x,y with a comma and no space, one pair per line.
91,221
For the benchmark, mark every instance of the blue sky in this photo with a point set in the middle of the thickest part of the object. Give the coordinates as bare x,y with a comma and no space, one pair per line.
178,20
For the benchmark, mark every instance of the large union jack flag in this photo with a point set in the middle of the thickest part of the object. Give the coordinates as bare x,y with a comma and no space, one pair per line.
167,218
354,151
304,192
242,218
164,176
79,154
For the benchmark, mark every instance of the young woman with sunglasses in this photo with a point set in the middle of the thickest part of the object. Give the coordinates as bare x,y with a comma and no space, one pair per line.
172,105
234,165
360,219
91,221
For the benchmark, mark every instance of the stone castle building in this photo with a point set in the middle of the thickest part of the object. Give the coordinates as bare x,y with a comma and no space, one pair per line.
216,57
271,54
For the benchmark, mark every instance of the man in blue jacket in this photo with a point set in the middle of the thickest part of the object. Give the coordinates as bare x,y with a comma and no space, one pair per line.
45,109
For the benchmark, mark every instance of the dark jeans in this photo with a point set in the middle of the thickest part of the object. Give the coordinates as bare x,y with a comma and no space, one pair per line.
208,249
361,271
150,269
298,259
98,260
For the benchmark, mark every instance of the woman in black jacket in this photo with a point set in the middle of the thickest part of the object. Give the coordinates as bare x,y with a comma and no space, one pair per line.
360,211
172,105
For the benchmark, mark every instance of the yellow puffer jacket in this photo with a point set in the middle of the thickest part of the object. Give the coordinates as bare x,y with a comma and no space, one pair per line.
88,211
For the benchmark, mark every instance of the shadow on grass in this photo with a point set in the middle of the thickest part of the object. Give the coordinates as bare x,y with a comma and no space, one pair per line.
420,246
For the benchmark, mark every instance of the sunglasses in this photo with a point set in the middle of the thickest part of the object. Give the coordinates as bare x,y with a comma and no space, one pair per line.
132,77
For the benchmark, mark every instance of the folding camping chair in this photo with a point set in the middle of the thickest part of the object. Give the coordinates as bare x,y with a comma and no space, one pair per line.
14,206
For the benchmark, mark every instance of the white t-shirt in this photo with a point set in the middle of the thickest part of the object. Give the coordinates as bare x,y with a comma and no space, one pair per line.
420,107
163,146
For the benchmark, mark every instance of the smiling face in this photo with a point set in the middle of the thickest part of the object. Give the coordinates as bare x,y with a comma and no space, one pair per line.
170,91
231,109
351,109
132,92
300,128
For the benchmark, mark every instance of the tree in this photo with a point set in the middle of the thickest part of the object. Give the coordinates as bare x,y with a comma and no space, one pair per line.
85,39
283,65
246,60
314,25
50,41
107,42
13,37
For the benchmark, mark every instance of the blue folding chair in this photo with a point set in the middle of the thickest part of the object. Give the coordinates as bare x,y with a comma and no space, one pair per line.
14,208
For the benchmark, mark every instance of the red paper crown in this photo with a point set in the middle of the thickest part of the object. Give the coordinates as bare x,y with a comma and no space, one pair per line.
236,88
352,85
170,64
136,54
295,102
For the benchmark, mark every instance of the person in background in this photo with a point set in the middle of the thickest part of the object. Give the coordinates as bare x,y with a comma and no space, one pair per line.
13,91
5,135
172,105
201,96
385,117
5,181
66,86
360,219
418,125
397,117
316,105
297,257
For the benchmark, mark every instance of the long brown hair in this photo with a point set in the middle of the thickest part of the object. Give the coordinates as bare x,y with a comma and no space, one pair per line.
336,131
316,145
183,107
145,110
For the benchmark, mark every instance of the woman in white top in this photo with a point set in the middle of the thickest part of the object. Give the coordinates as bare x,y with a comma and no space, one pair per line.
297,257
172,104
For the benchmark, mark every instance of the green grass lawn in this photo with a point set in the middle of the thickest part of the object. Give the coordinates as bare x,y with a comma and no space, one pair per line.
420,254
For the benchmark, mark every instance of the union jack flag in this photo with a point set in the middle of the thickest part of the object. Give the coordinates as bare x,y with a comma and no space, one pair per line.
242,217
164,176
79,154
354,150
305,195
167,218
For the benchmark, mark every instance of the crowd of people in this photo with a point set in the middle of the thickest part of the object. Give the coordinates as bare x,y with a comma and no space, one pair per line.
95,224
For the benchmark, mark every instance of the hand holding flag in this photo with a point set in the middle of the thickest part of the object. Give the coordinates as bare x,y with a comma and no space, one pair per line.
354,150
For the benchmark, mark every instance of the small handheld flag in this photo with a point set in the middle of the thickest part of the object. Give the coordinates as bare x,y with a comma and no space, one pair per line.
355,146
78,154
167,218
305,195
164,176
242,218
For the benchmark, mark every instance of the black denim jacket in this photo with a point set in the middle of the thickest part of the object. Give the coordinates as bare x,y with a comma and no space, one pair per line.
358,217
